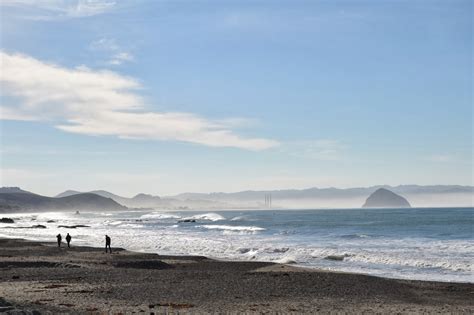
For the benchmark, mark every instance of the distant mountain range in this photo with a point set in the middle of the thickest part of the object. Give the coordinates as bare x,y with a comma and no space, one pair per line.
138,201
328,192
16,199
149,201
419,196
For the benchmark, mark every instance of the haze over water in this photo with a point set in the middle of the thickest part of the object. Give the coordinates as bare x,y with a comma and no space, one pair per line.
425,244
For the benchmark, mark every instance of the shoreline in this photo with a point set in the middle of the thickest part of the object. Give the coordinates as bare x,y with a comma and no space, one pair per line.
360,247
39,276
229,260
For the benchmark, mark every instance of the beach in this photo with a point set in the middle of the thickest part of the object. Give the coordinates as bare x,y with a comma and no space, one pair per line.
410,244
39,276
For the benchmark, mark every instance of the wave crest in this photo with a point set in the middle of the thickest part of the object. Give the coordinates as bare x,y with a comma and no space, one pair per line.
231,229
159,216
206,216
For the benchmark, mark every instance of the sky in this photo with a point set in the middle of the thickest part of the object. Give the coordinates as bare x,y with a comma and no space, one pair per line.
165,97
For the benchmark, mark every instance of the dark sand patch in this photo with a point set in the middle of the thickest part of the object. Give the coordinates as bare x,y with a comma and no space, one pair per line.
142,264
35,264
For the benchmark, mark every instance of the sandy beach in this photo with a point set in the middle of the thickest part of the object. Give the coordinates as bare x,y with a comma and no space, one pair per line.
39,277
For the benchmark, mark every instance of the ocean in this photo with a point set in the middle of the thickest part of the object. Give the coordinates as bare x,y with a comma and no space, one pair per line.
424,244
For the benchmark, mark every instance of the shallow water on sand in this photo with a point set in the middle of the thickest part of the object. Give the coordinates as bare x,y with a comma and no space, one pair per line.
424,244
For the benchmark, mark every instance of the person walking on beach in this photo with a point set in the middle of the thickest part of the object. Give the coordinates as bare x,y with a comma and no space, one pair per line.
107,244
68,240
59,237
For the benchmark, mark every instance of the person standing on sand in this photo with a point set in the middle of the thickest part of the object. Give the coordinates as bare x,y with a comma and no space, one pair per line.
59,237
107,244
68,240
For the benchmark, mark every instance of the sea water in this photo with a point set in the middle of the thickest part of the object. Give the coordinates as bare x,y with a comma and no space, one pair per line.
424,244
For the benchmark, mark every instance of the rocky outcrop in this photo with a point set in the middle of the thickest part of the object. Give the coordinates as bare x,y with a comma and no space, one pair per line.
38,226
73,226
384,198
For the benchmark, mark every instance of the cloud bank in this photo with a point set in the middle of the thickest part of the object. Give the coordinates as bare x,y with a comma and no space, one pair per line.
100,102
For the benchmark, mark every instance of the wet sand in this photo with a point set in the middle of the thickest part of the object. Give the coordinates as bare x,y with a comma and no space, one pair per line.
39,277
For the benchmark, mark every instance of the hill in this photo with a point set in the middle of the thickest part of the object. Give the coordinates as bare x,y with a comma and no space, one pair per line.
384,198
138,201
4,190
68,193
17,201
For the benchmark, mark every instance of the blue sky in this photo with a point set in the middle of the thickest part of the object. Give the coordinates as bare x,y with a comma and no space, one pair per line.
164,97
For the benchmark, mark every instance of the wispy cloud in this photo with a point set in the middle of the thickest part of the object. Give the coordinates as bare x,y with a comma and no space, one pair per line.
320,149
120,58
104,44
58,9
89,102
117,55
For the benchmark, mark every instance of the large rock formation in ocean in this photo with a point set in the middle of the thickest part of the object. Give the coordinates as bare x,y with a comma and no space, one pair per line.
384,198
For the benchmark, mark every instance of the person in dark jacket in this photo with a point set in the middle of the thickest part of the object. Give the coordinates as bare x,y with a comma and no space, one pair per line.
68,240
59,237
107,244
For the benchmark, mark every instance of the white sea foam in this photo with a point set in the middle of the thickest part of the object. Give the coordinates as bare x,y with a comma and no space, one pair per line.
286,260
420,261
248,251
112,222
106,214
206,216
160,216
242,218
232,228
131,225
412,258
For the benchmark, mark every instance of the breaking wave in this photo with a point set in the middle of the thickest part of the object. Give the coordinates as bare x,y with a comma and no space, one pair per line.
206,216
232,228
159,216
444,253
